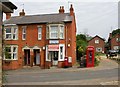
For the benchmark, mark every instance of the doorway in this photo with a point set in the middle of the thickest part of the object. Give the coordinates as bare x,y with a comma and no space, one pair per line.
27,57
36,57
53,55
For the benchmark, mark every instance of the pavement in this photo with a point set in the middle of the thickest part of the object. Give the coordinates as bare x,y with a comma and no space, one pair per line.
104,74
104,65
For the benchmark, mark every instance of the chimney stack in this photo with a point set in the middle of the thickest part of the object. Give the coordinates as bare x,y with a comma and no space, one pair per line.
8,15
61,10
71,10
22,13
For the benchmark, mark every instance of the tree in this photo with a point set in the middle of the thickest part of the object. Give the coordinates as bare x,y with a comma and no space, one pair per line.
114,32
81,45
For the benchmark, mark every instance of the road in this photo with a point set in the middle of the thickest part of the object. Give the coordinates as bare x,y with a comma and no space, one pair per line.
107,72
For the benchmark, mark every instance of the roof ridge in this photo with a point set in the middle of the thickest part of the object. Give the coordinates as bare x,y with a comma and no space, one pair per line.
39,15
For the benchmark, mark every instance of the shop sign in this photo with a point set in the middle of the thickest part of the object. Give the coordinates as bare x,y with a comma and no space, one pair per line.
53,47
53,41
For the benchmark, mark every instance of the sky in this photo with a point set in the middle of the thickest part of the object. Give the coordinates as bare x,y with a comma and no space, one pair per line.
93,17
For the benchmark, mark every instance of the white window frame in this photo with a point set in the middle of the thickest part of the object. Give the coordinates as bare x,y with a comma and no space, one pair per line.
11,47
15,33
12,32
54,32
116,47
99,48
117,39
47,32
96,41
47,55
24,33
40,33
63,52
59,31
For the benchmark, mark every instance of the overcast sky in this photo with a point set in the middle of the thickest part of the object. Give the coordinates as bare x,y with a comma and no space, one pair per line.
94,17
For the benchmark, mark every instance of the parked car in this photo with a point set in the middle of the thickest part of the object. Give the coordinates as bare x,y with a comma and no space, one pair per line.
112,53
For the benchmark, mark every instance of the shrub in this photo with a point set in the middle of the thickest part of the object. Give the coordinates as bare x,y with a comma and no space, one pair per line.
96,61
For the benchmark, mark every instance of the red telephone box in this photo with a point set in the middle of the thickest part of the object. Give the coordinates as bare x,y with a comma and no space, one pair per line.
90,56
66,62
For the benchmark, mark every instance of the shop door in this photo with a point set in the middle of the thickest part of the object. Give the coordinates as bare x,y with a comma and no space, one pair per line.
54,57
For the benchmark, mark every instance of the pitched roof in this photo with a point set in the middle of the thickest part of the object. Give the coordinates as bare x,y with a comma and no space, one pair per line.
7,6
44,18
98,37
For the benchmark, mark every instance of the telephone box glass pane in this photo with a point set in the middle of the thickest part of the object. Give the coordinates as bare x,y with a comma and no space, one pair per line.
90,56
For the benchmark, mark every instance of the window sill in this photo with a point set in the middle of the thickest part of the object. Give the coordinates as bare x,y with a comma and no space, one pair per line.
9,60
10,39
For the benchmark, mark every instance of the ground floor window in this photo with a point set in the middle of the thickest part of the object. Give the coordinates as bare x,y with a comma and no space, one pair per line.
11,52
98,49
116,47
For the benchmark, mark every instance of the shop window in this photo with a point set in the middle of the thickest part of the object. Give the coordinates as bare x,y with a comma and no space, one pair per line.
61,52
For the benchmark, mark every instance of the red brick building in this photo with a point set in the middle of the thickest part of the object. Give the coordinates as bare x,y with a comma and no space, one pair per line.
114,41
40,40
98,43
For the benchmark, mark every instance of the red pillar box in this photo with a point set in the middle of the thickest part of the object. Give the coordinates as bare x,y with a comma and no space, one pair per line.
90,56
66,62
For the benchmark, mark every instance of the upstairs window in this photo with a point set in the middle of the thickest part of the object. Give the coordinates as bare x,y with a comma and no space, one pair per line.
24,33
47,32
97,41
61,32
11,33
39,33
55,31
8,34
117,39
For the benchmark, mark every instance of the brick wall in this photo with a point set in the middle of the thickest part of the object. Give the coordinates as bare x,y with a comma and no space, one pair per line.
100,44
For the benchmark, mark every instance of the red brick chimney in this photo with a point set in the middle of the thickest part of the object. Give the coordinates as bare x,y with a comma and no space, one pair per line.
22,13
8,15
61,10
71,10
